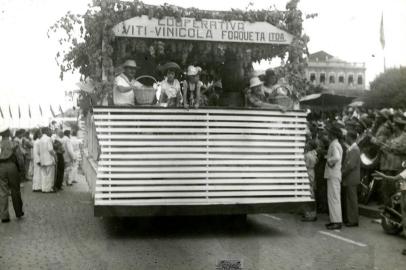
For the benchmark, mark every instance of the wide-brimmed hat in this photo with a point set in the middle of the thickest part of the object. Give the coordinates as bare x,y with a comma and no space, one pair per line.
385,113
130,63
192,70
255,81
3,126
169,66
400,119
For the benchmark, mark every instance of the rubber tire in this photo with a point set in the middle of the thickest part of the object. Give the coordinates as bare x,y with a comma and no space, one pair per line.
389,228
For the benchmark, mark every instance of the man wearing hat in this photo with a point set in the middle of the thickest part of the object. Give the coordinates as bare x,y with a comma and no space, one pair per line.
9,177
256,96
382,131
125,84
332,173
394,152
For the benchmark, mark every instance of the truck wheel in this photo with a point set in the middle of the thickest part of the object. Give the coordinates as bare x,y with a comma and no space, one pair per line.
389,227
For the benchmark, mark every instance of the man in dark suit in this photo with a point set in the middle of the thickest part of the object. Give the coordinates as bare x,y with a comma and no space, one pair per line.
351,179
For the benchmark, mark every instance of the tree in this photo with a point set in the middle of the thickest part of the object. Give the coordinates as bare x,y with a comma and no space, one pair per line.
87,55
388,89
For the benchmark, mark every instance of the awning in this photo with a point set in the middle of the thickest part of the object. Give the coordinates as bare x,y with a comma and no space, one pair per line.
326,100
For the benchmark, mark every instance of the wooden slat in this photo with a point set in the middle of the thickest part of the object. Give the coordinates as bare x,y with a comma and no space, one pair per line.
200,194
182,169
269,156
170,162
137,124
120,110
198,201
198,175
201,188
167,182
202,117
129,136
201,149
194,130
201,143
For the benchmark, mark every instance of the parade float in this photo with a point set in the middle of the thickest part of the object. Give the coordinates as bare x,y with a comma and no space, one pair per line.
148,160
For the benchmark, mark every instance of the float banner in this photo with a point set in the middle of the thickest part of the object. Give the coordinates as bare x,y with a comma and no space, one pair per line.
205,30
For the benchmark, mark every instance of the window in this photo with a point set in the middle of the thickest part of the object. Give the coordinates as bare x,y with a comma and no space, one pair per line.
322,78
350,79
312,77
341,79
331,79
360,81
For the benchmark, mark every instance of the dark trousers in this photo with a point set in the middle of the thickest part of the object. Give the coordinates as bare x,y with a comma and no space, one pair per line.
350,205
387,188
10,180
60,169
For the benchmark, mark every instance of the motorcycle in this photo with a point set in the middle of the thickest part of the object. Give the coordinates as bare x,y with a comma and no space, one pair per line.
391,216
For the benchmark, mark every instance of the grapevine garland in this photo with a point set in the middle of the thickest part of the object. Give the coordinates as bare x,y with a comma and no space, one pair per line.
87,55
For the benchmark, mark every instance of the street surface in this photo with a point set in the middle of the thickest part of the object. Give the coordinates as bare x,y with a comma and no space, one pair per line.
60,232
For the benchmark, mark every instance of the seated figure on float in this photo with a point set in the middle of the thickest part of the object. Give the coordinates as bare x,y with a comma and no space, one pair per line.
125,85
192,88
256,96
270,80
170,94
283,95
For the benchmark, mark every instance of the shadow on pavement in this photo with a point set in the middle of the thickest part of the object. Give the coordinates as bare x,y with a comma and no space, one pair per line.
187,227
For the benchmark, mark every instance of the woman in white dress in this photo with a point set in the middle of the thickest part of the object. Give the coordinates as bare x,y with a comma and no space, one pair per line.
36,179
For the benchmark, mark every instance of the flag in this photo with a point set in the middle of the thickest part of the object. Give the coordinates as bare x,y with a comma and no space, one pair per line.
1,112
40,109
29,110
382,34
60,109
19,112
52,111
9,110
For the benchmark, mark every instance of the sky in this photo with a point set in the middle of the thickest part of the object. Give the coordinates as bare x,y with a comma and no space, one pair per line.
347,29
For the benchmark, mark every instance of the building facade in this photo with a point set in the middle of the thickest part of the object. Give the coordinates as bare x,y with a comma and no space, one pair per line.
334,74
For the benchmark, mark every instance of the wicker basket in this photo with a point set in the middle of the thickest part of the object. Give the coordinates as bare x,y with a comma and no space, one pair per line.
284,101
145,95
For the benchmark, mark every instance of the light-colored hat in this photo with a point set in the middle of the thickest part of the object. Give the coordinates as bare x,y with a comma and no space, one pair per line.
130,63
3,126
192,70
255,81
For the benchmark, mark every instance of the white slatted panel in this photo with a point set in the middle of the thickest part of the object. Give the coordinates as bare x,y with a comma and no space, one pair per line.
200,157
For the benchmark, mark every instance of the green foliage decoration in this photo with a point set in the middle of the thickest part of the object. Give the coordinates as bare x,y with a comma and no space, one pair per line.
82,37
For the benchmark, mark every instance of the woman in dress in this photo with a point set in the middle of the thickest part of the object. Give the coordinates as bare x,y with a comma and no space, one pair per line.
171,95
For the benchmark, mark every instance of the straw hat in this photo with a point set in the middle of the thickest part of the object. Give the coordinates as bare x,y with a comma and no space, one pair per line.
255,81
168,66
192,70
385,113
401,119
130,63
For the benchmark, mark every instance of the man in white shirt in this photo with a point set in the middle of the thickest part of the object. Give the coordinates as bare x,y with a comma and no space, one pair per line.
125,84
47,159
332,173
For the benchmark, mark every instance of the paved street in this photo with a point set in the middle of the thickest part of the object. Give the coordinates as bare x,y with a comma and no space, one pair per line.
60,232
